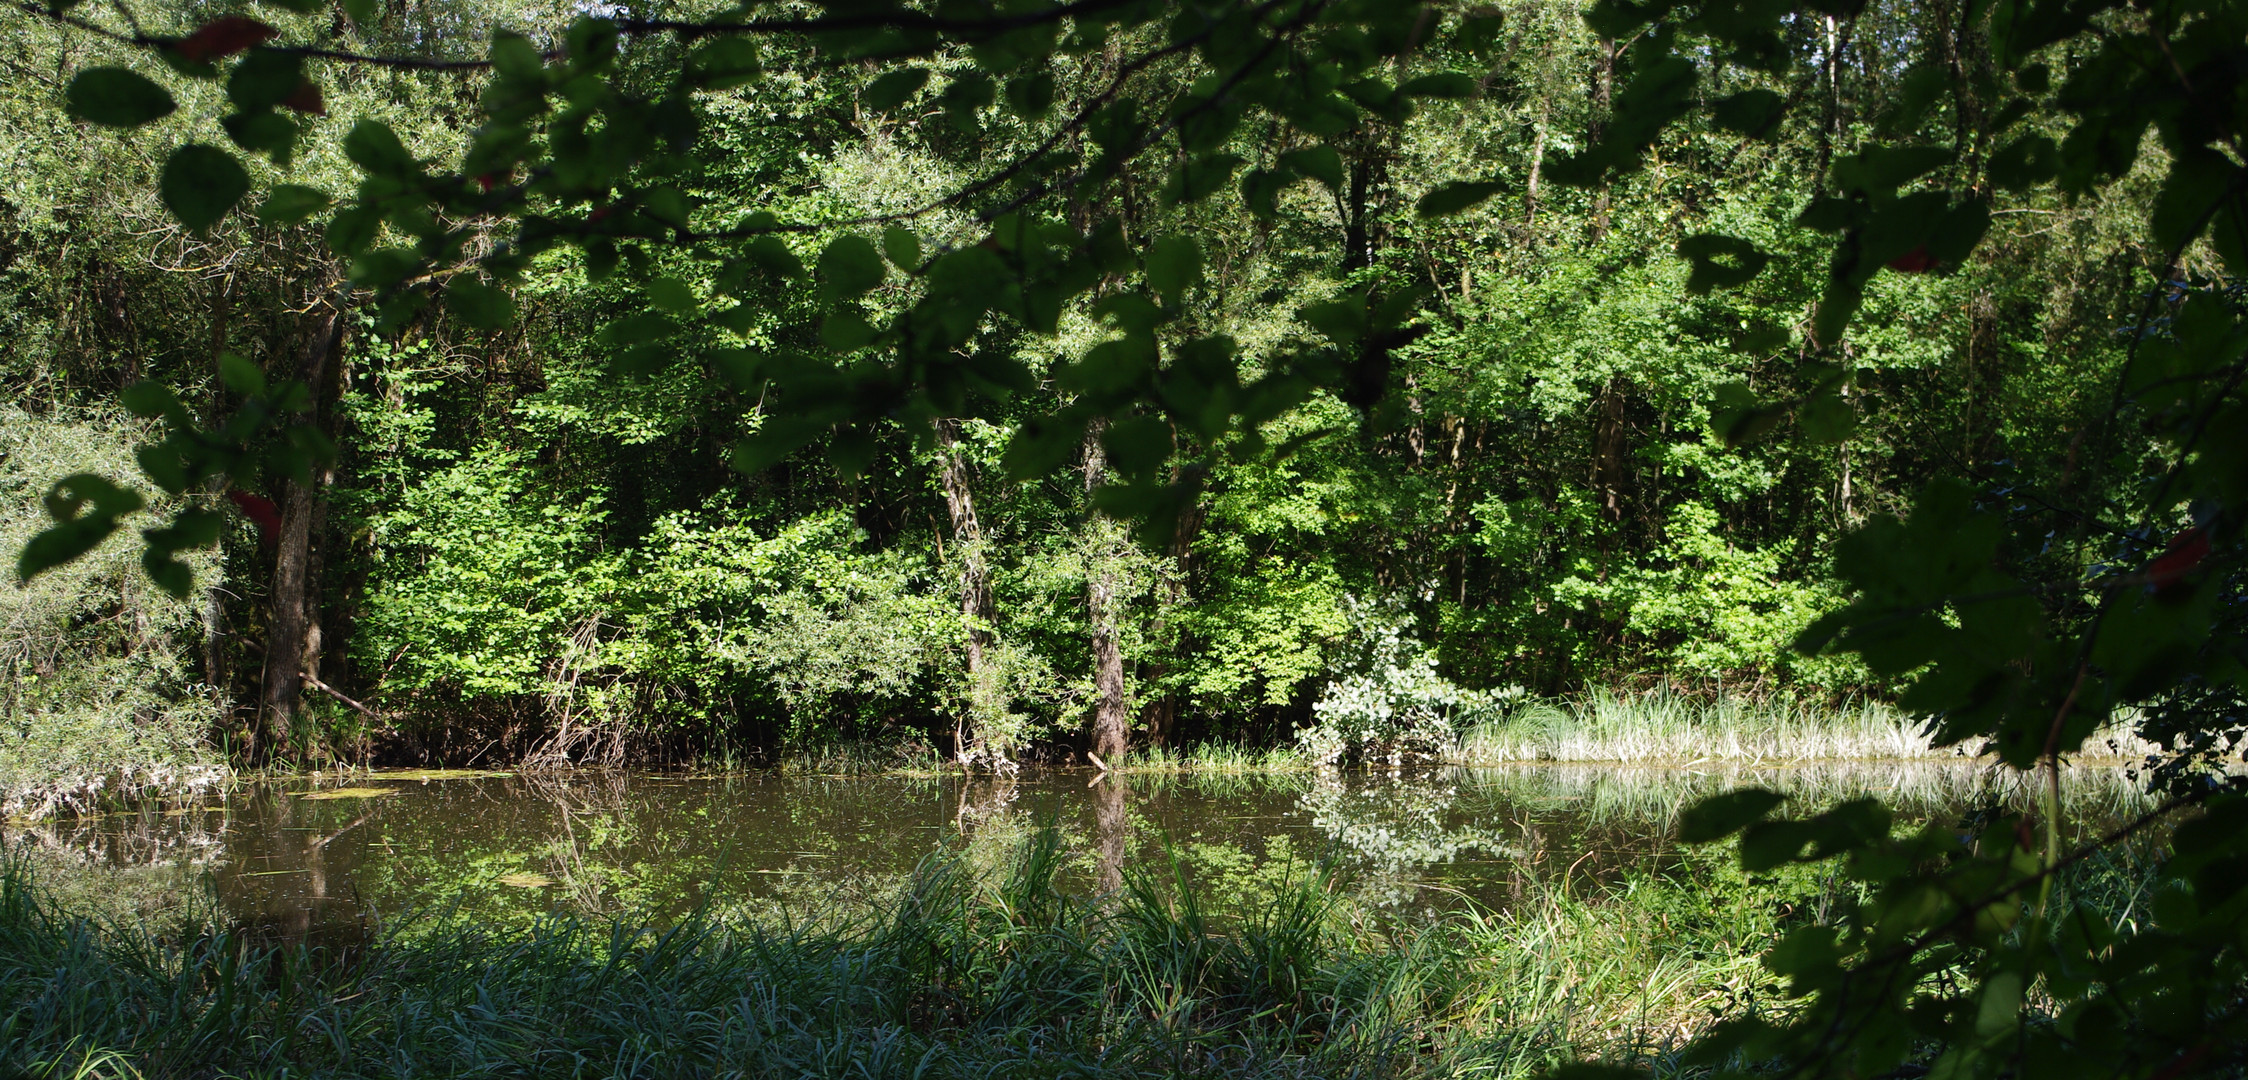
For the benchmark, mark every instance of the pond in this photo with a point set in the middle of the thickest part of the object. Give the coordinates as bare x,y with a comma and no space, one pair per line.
321,858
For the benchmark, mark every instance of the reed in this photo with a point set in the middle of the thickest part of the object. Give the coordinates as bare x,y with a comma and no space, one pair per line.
1665,727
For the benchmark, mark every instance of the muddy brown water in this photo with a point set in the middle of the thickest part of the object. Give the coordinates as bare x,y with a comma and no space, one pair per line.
330,856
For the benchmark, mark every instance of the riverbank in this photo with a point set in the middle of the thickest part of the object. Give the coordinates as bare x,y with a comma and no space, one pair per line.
1658,729
970,968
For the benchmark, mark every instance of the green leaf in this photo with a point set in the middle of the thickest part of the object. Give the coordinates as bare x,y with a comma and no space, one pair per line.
149,399
384,267
851,451
61,544
485,307
1739,417
845,331
85,509
1199,177
514,57
1321,163
1443,84
1754,113
1261,188
2000,1011
1720,261
670,294
1031,96
201,183
291,204
375,148
1455,197
777,438
1138,446
352,229
724,63
892,89
169,574
116,97
363,12
1827,417
637,329
265,131
1720,816
240,375
966,95
850,266
1174,264
772,255
903,248
263,79
2025,162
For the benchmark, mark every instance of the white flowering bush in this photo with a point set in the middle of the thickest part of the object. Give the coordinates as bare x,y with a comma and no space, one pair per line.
1386,703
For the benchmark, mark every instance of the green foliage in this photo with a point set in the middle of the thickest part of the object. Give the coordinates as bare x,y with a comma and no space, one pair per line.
102,699
1564,433
495,579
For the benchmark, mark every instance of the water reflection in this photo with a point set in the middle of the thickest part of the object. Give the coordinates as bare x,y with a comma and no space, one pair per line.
302,860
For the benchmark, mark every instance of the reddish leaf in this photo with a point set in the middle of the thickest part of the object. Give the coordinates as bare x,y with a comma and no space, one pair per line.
2169,569
1916,261
224,37
490,180
306,99
599,213
258,509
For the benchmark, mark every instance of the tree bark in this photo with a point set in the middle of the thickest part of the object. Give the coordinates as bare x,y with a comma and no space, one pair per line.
1603,93
292,629
1110,716
1608,449
975,577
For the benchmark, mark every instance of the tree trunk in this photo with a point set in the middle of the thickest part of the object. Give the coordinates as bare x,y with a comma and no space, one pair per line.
1537,167
1603,92
1608,449
292,629
1110,717
975,578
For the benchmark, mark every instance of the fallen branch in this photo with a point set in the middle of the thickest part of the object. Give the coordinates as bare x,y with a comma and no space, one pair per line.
314,682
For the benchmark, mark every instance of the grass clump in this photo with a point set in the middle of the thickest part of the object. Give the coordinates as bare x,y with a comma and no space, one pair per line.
961,973
1675,728
1665,727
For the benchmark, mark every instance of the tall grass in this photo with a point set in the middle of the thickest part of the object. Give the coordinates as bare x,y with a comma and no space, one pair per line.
973,966
1213,759
964,972
1670,728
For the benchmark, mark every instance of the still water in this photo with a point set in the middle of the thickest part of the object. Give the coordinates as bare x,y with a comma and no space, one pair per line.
314,857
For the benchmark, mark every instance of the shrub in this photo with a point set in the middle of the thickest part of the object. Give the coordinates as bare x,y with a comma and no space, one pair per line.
100,697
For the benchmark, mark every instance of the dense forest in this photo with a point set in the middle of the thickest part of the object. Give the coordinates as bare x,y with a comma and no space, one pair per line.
533,540
981,382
